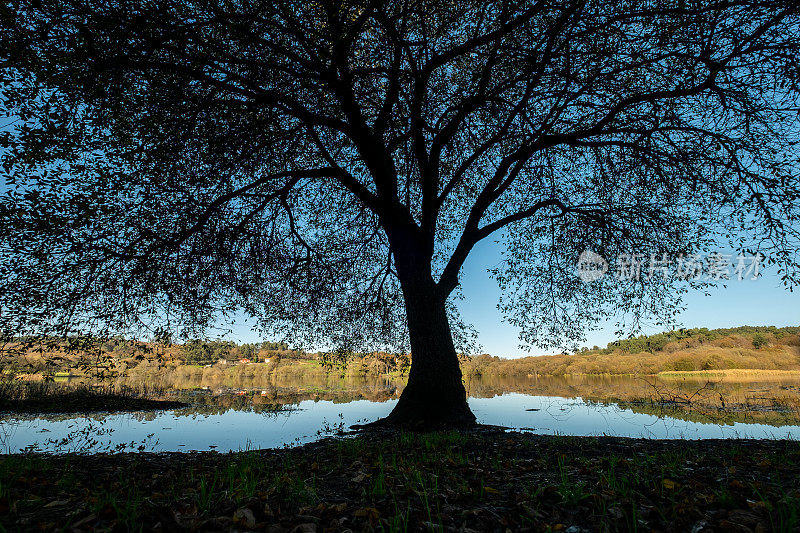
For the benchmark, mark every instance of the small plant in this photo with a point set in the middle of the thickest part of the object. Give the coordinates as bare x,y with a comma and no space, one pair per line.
206,495
570,491
378,483
125,506
786,514
398,523
620,484
724,497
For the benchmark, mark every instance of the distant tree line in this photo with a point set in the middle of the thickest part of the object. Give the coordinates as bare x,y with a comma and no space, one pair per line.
274,346
199,351
102,349
341,358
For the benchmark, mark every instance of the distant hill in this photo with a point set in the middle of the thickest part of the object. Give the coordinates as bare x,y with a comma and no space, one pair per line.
695,349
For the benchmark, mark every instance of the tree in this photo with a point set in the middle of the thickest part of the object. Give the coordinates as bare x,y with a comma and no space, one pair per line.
162,339
328,166
248,351
274,346
203,352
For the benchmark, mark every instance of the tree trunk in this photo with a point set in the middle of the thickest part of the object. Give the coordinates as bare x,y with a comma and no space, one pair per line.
435,395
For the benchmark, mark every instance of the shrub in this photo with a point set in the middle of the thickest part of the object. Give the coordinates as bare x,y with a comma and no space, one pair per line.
759,340
683,364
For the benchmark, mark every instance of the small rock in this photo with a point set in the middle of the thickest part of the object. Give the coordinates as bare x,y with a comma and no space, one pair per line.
734,527
305,528
740,516
245,518
218,523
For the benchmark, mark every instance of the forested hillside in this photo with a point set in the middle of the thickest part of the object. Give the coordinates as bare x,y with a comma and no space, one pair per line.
696,349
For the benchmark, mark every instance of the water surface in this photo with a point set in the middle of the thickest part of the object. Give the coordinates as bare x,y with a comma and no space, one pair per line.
228,419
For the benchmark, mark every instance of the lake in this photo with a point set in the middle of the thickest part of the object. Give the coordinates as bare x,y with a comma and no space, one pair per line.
270,415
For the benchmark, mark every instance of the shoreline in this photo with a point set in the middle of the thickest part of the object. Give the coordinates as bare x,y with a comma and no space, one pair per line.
742,375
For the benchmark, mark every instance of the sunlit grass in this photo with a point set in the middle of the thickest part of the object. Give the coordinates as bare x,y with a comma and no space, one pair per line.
733,374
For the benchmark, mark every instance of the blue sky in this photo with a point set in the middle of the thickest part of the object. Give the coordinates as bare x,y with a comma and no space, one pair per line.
762,302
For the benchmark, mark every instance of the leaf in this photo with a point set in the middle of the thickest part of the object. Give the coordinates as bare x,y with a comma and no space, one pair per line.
367,512
669,484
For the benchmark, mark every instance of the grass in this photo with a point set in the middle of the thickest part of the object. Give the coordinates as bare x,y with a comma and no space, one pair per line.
49,397
207,492
415,481
733,375
570,489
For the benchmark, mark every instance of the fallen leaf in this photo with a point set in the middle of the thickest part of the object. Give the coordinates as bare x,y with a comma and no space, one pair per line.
367,512
670,484
57,503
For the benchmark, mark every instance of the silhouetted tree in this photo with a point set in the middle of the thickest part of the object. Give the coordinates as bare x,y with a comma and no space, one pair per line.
328,166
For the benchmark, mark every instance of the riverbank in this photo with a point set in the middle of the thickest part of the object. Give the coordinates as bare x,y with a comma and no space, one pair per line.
719,397
50,398
735,375
481,480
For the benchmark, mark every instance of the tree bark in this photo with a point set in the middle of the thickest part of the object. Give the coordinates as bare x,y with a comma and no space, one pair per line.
435,395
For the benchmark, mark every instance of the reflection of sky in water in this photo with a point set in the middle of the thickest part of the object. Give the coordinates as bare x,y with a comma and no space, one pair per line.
573,416
238,430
